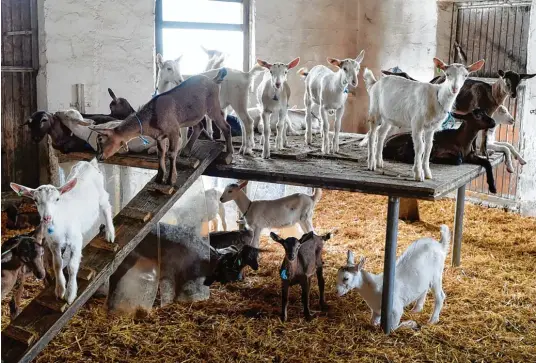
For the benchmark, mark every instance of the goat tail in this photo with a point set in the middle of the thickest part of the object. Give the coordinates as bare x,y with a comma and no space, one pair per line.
445,237
317,194
257,68
220,76
369,78
304,72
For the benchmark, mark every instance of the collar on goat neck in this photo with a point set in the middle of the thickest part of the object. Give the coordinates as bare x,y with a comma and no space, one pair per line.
341,82
243,202
247,210
145,141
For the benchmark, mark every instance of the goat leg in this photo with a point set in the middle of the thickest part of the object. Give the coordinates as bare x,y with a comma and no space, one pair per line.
18,290
306,287
196,131
472,158
284,296
321,285
162,148
173,150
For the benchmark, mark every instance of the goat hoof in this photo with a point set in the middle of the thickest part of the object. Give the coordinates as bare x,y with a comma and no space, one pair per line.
431,321
60,292
283,318
521,161
324,307
509,169
110,235
308,317
492,189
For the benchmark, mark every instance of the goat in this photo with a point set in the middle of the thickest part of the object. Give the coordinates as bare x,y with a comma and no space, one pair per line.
164,115
404,103
120,108
215,208
295,120
215,58
67,213
277,213
451,146
417,270
80,127
169,74
329,90
227,263
303,257
22,256
234,93
42,123
273,94
502,116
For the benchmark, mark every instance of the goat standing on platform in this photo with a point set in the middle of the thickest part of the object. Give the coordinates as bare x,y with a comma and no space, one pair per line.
68,213
422,106
272,95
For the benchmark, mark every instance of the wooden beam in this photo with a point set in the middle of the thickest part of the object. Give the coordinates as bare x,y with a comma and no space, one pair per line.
409,210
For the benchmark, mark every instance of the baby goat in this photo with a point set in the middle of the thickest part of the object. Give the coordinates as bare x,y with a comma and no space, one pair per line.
303,257
418,269
163,117
21,256
277,213
422,106
502,116
68,213
273,94
451,146
120,108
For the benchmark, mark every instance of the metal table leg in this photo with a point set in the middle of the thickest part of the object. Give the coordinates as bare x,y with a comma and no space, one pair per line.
458,226
389,263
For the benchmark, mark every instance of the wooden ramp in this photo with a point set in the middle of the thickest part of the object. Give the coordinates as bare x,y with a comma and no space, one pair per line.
44,317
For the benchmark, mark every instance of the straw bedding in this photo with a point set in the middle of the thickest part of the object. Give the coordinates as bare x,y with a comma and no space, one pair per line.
489,314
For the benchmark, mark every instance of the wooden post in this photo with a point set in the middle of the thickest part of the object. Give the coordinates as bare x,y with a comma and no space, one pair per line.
409,209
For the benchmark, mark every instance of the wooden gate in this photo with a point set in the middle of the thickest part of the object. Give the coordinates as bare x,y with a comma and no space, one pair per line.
497,32
19,69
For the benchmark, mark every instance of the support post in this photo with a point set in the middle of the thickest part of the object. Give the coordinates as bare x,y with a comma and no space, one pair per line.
389,263
458,226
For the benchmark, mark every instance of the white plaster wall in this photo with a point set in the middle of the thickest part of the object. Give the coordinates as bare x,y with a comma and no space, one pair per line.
527,177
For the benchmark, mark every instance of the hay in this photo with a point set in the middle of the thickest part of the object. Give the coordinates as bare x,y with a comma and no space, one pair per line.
489,313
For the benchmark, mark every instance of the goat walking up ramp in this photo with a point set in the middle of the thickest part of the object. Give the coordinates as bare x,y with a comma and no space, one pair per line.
44,317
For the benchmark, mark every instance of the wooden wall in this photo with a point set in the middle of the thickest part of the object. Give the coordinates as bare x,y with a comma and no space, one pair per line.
19,69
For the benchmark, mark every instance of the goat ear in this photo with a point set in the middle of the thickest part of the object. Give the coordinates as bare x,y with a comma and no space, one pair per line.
82,122
334,61
21,190
306,236
476,66
350,261
526,75
178,59
500,72
112,94
243,183
159,60
205,50
327,236
68,186
294,63
105,132
276,238
361,263
439,64
264,64
360,57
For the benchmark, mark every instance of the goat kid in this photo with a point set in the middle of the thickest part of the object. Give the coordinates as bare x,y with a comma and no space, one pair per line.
503,117
295,119
451,146
163,117
404,103
418,269
303,257
329,90
273,94
68,213
120,108
277,213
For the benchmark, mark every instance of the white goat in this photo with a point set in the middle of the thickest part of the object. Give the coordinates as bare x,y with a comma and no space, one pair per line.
418,269
296,121
216,58
329,90
422,106
273,94
502,116
277,213
80,128
68,213
215,208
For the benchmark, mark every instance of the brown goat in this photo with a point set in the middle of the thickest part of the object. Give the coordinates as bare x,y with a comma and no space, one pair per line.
120,109
303,257
162,117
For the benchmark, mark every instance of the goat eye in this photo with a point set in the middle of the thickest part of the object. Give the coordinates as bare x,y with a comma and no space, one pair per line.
169,69
57,199
229,192
345,279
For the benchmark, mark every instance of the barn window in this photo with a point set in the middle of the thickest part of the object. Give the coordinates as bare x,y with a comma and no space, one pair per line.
183,26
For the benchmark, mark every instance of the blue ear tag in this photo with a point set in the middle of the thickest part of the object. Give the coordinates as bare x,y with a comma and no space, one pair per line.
144,140
346,90
20,193
284,274
50,230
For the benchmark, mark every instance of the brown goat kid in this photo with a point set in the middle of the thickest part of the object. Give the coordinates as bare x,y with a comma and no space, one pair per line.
452,146
303,257
120,109
164,115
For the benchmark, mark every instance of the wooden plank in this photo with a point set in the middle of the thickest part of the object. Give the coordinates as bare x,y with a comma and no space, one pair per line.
136,214
45,322
20,335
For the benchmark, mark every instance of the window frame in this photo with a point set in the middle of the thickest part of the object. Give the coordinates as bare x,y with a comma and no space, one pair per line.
246,28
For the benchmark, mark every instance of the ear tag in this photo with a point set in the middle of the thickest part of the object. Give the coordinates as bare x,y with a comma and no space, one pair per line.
438,70
50,229
284,274
144,140
239,261
346,90
20,193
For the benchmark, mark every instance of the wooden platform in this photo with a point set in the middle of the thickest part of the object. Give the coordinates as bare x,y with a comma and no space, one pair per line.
43,318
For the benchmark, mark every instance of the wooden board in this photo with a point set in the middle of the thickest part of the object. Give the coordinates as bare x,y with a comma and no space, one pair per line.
42,320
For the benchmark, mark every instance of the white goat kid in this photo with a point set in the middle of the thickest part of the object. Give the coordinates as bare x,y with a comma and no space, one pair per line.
215,209
68,213
277,213
80,127
273,94
329,90
296,121
502,116
418,269
422,106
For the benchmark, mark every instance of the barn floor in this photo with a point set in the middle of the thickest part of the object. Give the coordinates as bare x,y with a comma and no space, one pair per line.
489,313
